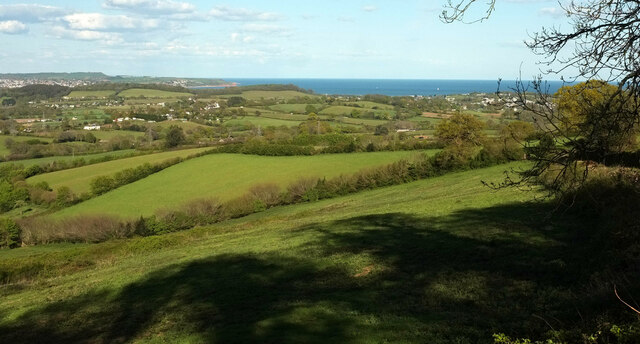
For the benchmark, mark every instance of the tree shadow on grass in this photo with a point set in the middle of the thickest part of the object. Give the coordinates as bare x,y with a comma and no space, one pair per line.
458,278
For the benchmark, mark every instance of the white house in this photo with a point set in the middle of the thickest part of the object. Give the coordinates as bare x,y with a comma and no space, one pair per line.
91,127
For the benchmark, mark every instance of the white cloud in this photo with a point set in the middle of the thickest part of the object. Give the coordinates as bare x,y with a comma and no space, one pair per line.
12,27
370,8
555,12
151,6
103,22
242,14
30,13
86,35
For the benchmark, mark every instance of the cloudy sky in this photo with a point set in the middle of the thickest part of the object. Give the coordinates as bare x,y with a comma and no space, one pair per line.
269,38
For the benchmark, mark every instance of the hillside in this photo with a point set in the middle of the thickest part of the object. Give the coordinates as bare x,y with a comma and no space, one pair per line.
439,261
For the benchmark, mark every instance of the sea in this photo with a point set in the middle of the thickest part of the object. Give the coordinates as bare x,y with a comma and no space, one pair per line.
394,87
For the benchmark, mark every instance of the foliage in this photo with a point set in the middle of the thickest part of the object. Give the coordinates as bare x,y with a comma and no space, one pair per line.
460,130
9,233
175,137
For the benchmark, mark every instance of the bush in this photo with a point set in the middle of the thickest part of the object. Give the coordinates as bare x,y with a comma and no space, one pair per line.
9,233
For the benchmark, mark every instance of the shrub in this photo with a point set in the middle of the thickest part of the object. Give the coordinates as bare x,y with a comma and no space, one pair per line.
102,184
86,229
9,233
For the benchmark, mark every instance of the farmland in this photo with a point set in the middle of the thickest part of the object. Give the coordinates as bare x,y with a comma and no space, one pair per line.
79,179
151,93
397,264
68,158
284,95
4,150
91,94
221,176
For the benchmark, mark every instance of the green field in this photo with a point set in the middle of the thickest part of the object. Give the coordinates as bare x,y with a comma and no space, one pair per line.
444,260
91,94
141,92
371,105
262,121
184,125
67,158
222,176
295,108
347,110
107,135
284,95
79,179
4,150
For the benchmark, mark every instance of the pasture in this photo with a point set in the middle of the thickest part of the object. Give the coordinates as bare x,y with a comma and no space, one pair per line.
67,158
222,176
443,260
282,95
261,121
295,108
348,110
79,179
91,94
149,93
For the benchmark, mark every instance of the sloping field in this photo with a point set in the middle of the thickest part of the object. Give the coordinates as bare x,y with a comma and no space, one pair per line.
262,121
91,94
347,110
222,176
142,92
67,158
79,179
284,95
444,260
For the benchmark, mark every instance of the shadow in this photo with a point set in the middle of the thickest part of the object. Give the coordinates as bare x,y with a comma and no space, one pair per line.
377,278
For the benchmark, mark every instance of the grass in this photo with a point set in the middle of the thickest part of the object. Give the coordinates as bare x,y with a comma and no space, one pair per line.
91,94
362,121
184,125
347,110
107,135
141,92
371,105
79,179
262,121
4,150
294,108
444,260
222,176
283,95
67,158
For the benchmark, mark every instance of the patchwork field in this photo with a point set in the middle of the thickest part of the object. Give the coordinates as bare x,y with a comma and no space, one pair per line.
444,260
347,110
222,176
79,179
284,95
67,158
262,121
141,92
91,94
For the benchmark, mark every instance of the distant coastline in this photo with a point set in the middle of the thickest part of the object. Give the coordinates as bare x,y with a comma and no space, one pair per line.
391,87
225,85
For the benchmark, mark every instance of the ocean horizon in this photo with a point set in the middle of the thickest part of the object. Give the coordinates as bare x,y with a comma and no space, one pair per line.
392,87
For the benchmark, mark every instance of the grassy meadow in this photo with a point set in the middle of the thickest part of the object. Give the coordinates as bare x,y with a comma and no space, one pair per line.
150,93
442,260
283,95
91,94
67,158
222,176
79,179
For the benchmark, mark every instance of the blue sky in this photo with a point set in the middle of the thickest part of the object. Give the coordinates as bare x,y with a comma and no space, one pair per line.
270,38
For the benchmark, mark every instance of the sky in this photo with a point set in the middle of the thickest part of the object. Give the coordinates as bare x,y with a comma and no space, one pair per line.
271,38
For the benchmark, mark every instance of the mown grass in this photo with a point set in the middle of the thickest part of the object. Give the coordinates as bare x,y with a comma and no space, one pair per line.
91,94
79,179
444,260
67,158
149,93
222,176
